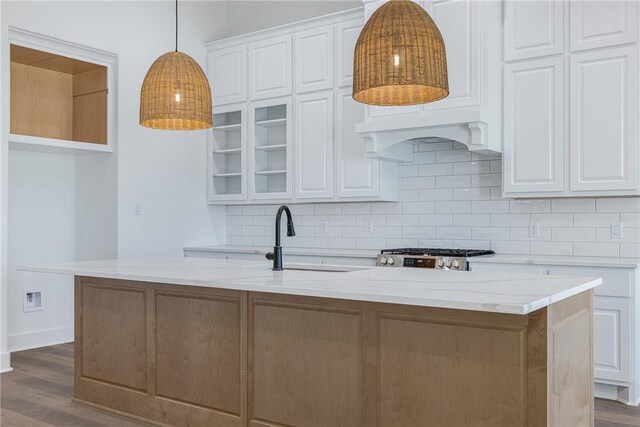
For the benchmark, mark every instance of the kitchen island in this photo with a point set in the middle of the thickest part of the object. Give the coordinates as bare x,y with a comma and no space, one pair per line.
202,342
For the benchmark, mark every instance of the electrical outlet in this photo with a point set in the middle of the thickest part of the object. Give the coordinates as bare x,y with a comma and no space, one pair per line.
32,300
324,227
137,209
534,229
368,225
617,230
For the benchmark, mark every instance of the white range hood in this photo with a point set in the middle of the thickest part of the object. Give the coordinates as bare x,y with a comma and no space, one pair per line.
472,113
394,141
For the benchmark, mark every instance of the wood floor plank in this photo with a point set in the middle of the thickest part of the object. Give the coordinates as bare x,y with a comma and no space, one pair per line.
38,393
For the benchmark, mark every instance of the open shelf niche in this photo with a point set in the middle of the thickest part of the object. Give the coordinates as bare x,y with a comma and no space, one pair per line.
57,100
227,154
270,146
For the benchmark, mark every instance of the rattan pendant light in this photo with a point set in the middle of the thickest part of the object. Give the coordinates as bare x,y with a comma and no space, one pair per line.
175,93
400,57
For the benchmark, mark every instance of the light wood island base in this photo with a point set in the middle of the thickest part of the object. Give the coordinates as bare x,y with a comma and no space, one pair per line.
198,356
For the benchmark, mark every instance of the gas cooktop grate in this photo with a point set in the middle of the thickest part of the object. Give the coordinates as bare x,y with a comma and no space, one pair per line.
438,252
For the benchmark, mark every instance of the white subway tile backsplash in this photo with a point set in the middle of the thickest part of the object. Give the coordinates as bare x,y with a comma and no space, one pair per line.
453,181
409,195
436,195
402,220
450,197
328,208
490,233
486,180
467,168
418,207
530,206
618,204
492,206
552,220
510,220
509,247
551,248
453,207
461,220
596,249
436,169
419,232
453,232
478,193
595,219
436,220
630,250
356,208
418,182
573,205
562,234
234,210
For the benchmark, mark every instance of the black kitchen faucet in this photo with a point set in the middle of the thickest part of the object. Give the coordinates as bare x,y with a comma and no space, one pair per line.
276,255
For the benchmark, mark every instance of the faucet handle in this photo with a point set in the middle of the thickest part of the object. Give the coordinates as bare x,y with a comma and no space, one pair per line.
269,255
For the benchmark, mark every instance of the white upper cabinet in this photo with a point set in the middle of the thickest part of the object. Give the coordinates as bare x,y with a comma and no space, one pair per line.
270,69
604,120
459,23
533,130
228,75
596,24
346,36
314,59
357,176
533,29
314,145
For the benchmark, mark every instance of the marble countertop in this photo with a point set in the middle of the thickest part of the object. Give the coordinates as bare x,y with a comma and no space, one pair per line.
261,250
513,293
369,253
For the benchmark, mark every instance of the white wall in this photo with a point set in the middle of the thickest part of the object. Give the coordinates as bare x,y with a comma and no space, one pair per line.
42,221
247,16
164,171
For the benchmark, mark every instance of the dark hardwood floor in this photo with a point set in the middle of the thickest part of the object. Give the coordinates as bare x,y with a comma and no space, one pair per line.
38,393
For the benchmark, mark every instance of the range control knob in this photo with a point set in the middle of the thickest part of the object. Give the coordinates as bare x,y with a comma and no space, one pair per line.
440,263
383,260
456,263
447,263
391,261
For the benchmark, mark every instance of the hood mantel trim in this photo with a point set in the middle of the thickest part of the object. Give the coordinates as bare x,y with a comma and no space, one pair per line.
397,144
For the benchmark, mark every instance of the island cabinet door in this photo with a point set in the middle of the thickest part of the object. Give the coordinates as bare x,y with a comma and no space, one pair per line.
171,354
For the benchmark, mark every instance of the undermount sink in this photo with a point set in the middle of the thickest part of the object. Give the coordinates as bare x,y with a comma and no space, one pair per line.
316,268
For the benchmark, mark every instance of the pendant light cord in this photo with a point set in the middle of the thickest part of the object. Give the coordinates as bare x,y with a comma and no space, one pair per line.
176,25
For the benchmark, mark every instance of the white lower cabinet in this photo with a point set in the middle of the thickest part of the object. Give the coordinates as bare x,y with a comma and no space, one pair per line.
616,324
612,336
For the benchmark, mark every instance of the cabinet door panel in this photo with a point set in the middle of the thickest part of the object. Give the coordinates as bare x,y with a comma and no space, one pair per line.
604,114
314,145
459,23
357,175
533,126
314,59
611,339
347,35
597,24
228,75
532,29
270,67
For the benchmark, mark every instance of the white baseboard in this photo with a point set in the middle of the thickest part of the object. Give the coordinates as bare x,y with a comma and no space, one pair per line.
5,362
29,340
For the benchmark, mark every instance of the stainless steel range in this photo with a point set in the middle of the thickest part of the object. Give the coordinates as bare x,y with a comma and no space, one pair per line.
440,259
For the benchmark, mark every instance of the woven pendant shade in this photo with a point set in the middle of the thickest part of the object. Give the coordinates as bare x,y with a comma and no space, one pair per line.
400,57
175,94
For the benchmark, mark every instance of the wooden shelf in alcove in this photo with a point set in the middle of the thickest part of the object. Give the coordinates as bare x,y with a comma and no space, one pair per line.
57,100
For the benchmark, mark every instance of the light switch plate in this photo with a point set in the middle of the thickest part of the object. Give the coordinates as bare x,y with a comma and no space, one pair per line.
617,230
